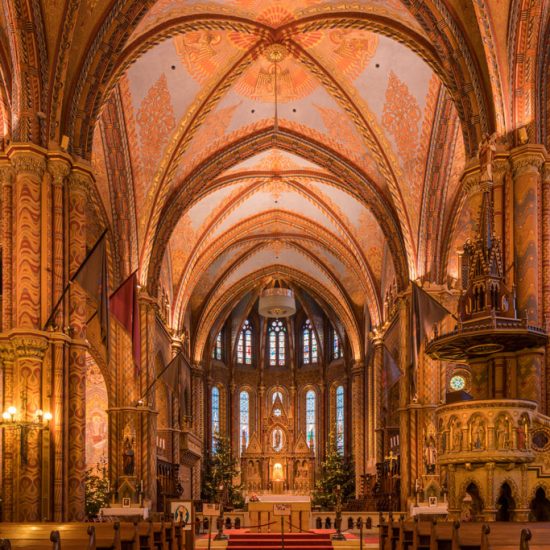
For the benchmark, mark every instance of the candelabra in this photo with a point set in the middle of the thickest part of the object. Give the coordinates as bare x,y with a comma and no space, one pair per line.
338,520
221,499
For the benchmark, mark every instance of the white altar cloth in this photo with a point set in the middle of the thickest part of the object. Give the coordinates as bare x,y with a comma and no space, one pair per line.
440,509
125,512
282,498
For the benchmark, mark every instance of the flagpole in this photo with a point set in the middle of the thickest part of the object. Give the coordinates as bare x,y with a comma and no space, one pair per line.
149,388
71,280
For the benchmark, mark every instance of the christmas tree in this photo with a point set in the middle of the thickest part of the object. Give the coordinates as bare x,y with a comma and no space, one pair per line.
220,469
335,470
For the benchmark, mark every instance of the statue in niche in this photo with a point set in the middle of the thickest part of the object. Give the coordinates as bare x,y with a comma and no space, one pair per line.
522,433
503,433
457,437
128,457
478,434
277,442
430,456
486,155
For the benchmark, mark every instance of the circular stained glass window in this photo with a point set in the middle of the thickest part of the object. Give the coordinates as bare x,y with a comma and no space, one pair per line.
458,382
277,412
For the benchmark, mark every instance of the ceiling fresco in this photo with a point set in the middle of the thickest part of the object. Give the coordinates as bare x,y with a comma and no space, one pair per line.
260,127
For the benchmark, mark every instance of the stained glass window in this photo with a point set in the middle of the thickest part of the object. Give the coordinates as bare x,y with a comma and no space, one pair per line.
215,416
310,418
277,343
336,347
244,418
244,345
278,394
309,343
218,347
340,419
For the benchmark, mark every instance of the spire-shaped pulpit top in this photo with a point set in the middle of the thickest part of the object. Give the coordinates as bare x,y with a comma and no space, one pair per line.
487,316
483,282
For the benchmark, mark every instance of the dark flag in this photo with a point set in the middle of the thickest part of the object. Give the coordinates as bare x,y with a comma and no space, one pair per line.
92,277
176,374
391,371
124,306
425,313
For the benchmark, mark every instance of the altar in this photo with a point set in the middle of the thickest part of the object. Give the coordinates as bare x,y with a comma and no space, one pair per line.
261,514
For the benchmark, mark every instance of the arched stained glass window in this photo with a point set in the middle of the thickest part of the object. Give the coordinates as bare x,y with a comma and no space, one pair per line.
244,345
336,346
244,418
309,344
277,343
279,394
217,352
215,416
340,419
310,418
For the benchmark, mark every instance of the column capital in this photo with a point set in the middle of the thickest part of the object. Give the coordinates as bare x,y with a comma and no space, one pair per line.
59,168
527,159
7,353
30,346
28,161
7,173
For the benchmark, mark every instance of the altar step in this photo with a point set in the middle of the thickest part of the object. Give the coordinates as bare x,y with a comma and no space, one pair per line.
273,541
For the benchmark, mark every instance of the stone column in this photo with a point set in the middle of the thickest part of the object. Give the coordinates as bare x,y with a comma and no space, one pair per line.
358,421
7,176
377,436
9,450
546,278
407,431
197,388
29,352
527,162
77,198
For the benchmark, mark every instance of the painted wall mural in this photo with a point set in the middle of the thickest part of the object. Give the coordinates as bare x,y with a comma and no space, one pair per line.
96,414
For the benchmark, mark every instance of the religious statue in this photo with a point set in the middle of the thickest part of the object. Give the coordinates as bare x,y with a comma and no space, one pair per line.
128,457
430,456
503,434
522,433
457,438
486,154
277,440
479,435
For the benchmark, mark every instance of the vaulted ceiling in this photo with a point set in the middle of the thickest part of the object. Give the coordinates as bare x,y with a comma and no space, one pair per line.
318,141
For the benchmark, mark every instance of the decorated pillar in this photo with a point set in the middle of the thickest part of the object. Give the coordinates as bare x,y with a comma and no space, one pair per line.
9,450
527,162
79,181
546,276
377,447
358,421
197,388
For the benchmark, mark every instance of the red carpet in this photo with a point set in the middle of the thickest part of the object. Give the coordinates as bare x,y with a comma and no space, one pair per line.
272,541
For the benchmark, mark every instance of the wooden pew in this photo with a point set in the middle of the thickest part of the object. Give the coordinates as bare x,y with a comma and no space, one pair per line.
472,536
44,536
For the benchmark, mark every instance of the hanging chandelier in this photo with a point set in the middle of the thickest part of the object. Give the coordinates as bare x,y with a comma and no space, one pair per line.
277,302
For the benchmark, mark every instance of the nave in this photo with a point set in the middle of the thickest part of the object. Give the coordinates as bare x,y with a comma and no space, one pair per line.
274,269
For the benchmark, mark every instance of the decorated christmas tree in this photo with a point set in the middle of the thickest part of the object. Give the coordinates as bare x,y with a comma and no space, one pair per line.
220,470
335,470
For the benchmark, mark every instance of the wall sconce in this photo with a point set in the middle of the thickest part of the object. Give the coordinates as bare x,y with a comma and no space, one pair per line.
11,420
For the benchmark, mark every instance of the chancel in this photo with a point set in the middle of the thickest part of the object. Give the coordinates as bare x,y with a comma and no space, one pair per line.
275,273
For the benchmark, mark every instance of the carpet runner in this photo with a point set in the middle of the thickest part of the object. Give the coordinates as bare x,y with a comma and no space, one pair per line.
272,541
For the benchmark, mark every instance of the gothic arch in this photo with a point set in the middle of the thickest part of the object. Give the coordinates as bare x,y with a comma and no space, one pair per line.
155,245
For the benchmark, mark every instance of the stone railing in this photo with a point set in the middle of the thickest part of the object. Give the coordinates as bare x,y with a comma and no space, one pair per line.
486,431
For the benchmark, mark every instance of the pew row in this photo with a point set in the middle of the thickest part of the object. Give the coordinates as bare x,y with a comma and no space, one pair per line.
426,535
148,535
